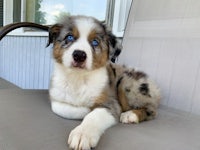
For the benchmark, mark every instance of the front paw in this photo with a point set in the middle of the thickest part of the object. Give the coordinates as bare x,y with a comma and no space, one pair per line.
129,117
82,138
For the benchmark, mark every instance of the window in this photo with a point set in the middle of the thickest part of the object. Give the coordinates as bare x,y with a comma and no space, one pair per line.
16,9
120,16
48,12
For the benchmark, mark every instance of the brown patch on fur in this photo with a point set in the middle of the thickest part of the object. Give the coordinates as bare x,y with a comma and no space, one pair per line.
100,53
58,52
122,98
93,35
141,113
75,32
112,76
100,100
100,59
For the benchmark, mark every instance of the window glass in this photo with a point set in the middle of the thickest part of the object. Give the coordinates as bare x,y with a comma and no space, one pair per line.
17,11
49,11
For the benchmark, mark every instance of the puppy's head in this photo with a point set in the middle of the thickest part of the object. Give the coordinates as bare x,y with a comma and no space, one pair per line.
81,42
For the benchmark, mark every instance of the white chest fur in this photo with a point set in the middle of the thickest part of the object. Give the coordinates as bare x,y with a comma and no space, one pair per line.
77,87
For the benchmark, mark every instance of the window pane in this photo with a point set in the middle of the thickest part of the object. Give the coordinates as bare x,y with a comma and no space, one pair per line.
49,11
34,12
16,10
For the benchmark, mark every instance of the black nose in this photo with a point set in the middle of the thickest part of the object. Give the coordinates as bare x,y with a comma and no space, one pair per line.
79,56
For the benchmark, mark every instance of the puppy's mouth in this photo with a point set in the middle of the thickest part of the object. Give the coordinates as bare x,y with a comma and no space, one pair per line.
80,65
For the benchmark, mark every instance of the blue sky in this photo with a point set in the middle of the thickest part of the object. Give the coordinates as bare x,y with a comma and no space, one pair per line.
95,8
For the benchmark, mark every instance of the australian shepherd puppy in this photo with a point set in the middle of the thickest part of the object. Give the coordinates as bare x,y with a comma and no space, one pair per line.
85,85
80,81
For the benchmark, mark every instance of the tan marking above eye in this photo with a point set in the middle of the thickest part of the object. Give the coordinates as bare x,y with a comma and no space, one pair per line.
74,32
92,35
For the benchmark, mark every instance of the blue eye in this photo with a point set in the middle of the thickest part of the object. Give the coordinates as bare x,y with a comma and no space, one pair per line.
94,43
70,38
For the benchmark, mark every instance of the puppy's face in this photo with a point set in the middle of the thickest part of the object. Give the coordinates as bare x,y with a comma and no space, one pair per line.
80,42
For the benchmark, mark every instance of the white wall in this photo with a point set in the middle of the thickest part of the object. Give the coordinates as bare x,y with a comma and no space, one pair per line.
163,39
25,61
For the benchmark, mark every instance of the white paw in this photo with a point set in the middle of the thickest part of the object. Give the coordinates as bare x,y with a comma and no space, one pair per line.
82,138
129,117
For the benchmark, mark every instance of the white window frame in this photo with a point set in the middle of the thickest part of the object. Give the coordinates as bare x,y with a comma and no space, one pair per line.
120,18
121,11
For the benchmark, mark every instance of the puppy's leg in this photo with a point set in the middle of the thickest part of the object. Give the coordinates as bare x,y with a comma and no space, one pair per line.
133,116
122,97
151,112
87,134
139,115
68,111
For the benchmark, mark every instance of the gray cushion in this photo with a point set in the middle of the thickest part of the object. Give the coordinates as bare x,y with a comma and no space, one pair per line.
27,123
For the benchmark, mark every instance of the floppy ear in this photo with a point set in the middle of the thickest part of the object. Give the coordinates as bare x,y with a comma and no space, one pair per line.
54,32
115,47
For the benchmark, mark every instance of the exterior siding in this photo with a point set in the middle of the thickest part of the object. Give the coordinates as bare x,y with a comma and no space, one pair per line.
26,62
174,65
171,59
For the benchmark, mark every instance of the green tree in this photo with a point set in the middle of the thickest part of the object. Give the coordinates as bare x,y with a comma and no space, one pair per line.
39,15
